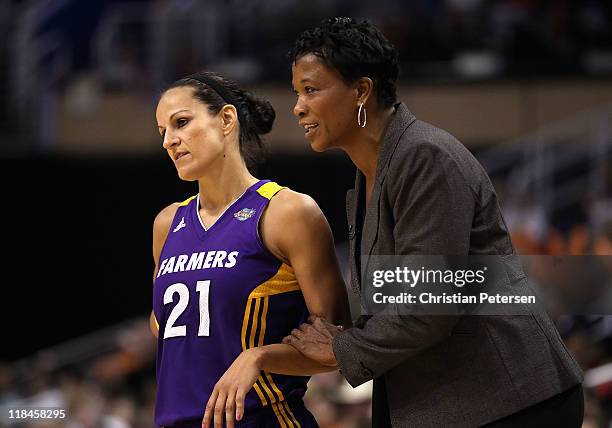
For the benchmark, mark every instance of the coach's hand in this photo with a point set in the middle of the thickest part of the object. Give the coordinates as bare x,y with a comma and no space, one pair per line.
314,340
230,391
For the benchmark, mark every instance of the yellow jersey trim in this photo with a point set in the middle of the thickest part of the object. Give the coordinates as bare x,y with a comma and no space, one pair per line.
291,415
253,332
283,282
270,189
186,201
281,421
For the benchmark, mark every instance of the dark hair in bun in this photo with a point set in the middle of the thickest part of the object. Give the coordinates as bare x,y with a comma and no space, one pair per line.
255,115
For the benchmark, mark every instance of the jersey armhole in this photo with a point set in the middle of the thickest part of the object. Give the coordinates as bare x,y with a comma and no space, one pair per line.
174,217
260,241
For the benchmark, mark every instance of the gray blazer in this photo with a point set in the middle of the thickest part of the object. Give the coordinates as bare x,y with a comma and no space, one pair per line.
431,196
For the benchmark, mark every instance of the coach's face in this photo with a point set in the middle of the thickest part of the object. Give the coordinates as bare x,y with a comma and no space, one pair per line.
326,106
191,135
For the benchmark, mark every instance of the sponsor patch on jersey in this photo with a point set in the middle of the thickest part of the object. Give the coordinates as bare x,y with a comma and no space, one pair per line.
244,214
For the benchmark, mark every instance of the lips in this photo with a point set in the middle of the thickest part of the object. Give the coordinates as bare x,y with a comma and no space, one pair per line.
179,155
309,127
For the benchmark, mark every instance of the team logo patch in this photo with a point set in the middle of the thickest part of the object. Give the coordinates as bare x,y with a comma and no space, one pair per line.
244,214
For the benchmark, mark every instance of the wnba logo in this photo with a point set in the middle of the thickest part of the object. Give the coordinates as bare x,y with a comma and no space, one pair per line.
244,214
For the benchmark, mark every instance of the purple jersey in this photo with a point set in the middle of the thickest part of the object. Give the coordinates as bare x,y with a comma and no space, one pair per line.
217,292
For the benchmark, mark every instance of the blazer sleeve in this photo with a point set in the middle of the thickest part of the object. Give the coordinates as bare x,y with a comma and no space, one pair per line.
433,208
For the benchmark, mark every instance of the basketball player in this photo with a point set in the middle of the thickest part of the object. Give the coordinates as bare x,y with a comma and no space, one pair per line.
237,267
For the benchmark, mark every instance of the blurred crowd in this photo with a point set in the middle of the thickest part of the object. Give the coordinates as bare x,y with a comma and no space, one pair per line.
111,388
477,38
570,255
116,389
480,38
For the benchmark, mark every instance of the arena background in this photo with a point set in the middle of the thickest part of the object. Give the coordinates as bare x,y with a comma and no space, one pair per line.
525,84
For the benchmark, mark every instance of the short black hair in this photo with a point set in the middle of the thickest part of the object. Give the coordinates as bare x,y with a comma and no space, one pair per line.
354,49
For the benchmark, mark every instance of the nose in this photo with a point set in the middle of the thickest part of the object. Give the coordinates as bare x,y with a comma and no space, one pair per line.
299,110
169,141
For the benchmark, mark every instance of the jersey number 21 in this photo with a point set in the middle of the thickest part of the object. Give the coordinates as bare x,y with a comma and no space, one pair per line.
203,288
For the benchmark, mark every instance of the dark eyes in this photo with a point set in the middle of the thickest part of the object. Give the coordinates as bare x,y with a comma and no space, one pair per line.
307,90
181,122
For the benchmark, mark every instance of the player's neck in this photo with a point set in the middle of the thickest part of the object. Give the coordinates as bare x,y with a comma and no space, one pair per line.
224,185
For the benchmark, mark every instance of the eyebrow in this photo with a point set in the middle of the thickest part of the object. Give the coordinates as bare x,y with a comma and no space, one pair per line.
172,115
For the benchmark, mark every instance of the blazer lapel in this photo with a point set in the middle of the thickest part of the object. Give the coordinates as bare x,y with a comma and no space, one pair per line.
402,119
352,199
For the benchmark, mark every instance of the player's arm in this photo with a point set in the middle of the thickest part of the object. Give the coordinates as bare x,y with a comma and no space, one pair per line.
306,243
294,229
161,225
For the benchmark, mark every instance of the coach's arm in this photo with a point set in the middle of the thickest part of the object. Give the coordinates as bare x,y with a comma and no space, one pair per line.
433,208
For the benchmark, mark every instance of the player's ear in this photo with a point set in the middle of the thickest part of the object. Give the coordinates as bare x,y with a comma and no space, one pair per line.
229,119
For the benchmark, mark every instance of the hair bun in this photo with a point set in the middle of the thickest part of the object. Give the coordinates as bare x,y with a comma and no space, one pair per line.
261,113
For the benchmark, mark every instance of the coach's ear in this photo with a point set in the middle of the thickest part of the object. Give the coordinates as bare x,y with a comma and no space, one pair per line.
364,88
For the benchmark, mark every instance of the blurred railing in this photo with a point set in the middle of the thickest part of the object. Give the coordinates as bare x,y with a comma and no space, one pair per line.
133,43
35,63
167,35
559,164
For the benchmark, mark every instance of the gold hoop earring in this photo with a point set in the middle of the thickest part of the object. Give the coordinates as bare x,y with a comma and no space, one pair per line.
365,116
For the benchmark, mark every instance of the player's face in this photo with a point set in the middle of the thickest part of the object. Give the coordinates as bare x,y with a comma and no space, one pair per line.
326,106
191,135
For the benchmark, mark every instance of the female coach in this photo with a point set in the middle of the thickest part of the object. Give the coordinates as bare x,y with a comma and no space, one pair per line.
419,191
237,266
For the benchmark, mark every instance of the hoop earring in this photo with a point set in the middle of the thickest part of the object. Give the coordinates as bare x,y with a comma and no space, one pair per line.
365,116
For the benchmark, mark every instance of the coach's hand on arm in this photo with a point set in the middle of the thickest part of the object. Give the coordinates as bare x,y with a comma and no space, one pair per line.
314,340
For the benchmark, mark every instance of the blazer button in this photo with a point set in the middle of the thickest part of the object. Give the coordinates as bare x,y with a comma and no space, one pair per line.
365,371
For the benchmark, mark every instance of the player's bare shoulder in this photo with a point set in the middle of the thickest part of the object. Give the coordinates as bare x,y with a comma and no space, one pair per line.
290,205
288,217
164,218
161,225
